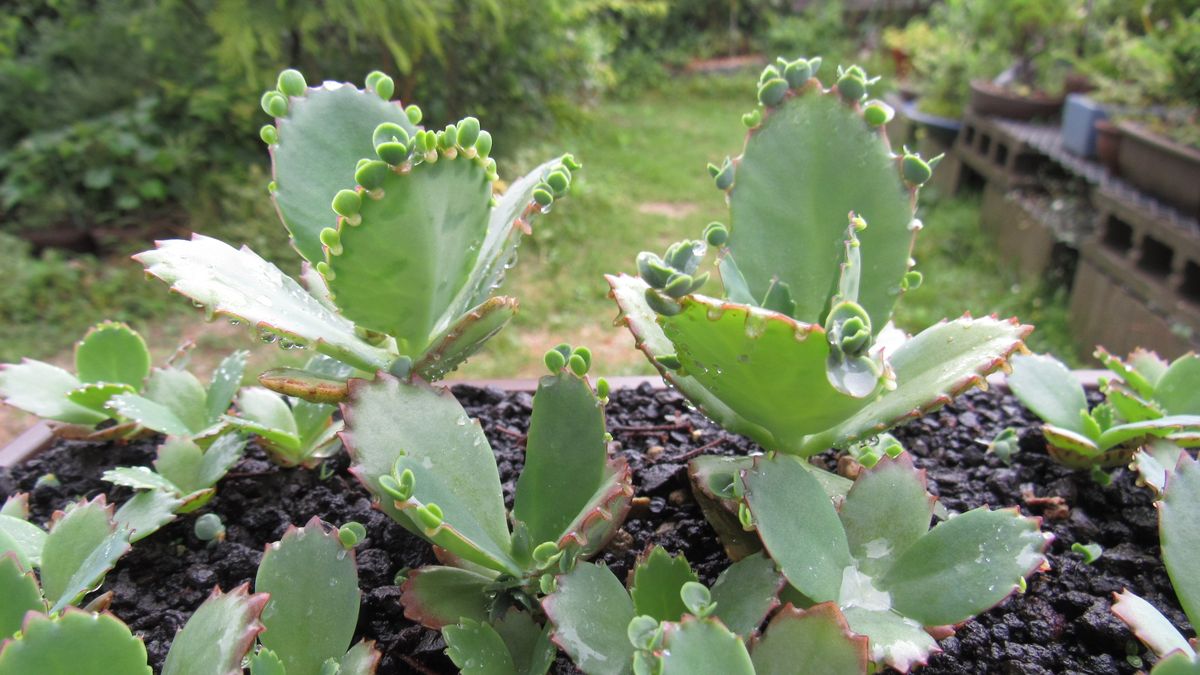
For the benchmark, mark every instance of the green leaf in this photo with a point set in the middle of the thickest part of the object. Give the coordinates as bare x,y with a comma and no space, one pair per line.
362,659
812,551
817,640
438,596
74,537
265,662
439,212
1179,389
21,594
42,389
16,506
1045,386
528,643
629,293
752,359
566,456
181,393
467,335
219,458
243,286
1148,364
746,592
392,424
325,133
963,566
931,368
95,395
811,162
590,611
226,379
1156,462
9,546
477,649
703,646
1179,531
886,510
146,512
1149,625
90,572
149,414
1129,373
179,461
313,610
1128,406
141,478
1177,664
268,409
218,635
29,539
895,640
113,353
77,643
657,580
1163,426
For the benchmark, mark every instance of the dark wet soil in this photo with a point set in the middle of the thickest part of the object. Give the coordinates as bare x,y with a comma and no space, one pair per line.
1062,624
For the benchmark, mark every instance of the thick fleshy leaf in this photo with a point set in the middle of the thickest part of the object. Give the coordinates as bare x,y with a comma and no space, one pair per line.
529,643
1129,406
141,478
183,394
21,594
437,596
629,293
218,635
28,538
224,383
752,359
221,455
362,659
76,643
1179,531
964,565
149,414
1158,428
816,640
710,473
1048,389
566,456
657,580
746,592
887,509
313,420
1155,463
603,513
1148,364
112,352
314,387
895,640
812,551
146,512
265,662
392,424
326,131
931,368
179,461
16,506
95,395
313,610
811,162
241,285
1149,625
703,646
1177,664
591,612
467,335
42,389
1179,388
90,572
75,535
269,411
477,649
439,211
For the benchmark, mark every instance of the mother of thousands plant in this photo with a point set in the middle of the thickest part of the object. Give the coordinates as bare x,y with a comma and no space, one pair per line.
402,240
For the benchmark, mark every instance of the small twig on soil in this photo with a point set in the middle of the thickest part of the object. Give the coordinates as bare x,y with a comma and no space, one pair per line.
678,426
695,451
512,432
416,665
248,474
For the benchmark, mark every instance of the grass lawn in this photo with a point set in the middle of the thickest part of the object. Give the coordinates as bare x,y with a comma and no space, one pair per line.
643,186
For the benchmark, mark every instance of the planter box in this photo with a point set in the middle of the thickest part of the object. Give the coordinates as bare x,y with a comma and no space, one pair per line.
990,100
1161,167
1079,118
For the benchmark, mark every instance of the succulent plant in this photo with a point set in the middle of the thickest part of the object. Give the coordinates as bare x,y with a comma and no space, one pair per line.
402,240
669,622
434,472
799,354
293,431
83,543
1178,513
1150,403
183,480
874,555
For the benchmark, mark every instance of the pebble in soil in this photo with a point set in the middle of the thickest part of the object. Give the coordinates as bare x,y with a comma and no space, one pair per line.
1062,624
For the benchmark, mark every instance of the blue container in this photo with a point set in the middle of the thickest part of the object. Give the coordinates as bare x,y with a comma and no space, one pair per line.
1079,118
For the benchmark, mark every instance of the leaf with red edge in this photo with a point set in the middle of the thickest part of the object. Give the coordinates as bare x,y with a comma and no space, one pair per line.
218,635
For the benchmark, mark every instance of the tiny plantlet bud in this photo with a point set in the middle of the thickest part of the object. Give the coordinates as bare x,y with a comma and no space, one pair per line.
555,361
468,131
209,527
771,92
724,177
393,153
916,171
371,174
678,285
662,304
543,197
351,534
878,113
1090,552
389,132
797,73
483,144
347,203
716,234
602,388
752,118
547,584
385,87
558,182
545,553
268,134
697,599
644,633
745,517
413,113
324,270
373,78
578,365
570,162
450,136
585,354
274,104
669,361
332,240
430,516
291,83
912,280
